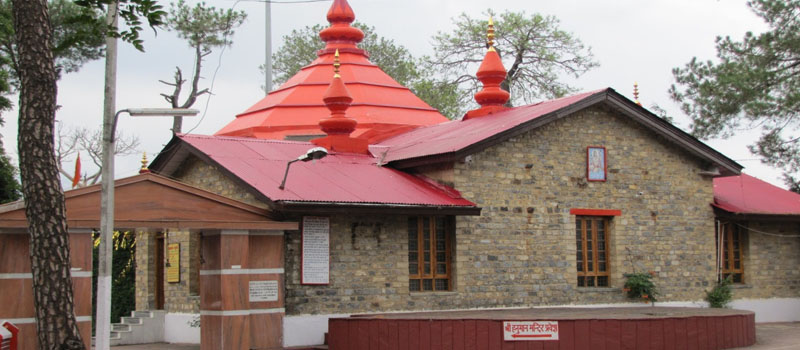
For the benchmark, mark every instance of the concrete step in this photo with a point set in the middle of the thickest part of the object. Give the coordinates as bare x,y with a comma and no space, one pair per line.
131,320
120,327
142,314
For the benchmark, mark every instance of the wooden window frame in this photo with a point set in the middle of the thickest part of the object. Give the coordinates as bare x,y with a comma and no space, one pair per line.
584,263
420,275
728,259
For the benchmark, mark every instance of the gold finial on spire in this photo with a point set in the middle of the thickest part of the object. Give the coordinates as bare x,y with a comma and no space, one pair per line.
144,164
336,64
490,34
636,93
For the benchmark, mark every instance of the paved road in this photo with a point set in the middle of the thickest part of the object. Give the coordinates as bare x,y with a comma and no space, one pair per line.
769,336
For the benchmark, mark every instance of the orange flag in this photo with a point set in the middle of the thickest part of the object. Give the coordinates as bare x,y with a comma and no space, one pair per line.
77,177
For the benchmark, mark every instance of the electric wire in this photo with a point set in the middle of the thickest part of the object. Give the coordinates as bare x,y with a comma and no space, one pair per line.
766,233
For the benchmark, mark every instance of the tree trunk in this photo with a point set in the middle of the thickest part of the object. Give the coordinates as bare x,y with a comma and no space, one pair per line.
49,242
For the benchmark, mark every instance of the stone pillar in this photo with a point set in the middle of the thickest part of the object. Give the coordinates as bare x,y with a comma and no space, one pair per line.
16,285
145,269
234,317
182,297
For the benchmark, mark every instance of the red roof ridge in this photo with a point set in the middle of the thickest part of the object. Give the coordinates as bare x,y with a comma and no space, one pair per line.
240,139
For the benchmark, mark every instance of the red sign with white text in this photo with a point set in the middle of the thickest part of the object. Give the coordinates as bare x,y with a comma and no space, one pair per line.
530,330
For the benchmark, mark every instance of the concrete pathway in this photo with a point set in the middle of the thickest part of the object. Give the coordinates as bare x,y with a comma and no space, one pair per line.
769,336
777,336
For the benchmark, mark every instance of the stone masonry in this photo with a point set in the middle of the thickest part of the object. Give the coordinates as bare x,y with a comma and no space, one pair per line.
179,297
521,250
770,261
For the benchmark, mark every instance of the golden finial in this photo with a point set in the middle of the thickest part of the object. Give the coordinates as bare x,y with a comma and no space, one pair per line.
336,64
490,34
144,164
636,93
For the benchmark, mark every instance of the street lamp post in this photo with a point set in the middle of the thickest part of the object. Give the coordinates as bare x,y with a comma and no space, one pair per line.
103,318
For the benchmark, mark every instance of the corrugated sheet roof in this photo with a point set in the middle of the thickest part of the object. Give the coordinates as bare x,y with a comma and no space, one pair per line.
745,194
337,178
456,135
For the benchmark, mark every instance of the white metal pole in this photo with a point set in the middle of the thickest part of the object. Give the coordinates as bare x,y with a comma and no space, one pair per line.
268,47
103,312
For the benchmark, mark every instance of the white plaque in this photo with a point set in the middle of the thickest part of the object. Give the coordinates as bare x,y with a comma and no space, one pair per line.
316,250
530,330
263,291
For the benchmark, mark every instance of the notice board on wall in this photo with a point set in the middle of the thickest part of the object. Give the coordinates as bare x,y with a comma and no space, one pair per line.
316,238
173,262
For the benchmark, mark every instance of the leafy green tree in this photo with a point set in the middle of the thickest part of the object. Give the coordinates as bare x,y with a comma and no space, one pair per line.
754,84
204,28
77,38
123,283
300,47
9,186
535,51
132,12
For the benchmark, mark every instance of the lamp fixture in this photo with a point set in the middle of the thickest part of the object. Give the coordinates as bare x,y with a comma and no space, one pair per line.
312,154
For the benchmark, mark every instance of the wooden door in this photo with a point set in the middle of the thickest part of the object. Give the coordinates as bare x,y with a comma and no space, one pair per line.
159,262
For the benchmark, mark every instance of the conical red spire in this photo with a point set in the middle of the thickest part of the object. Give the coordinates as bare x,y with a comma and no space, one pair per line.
340,35
491,73
339,126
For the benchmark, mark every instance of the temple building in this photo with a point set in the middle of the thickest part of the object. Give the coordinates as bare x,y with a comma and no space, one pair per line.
342,193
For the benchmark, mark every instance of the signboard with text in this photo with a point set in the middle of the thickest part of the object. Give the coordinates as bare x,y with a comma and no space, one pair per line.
316,257
263,291
173,262
530,330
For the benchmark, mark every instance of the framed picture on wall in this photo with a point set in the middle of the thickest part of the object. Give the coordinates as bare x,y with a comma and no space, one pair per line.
596,163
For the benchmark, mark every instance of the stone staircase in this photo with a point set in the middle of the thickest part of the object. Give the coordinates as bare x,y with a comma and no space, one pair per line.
142,327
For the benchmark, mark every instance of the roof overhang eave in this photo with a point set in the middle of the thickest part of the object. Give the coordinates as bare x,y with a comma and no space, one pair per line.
373,208
740,216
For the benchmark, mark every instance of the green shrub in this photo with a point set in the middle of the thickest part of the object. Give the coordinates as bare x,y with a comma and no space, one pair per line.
640,286
721,294
123,275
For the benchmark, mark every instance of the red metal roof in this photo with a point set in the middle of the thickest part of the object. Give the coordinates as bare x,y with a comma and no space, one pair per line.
381,106
745,194
337,178
456,135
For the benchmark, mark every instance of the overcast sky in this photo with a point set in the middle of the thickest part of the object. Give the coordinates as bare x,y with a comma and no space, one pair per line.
632,40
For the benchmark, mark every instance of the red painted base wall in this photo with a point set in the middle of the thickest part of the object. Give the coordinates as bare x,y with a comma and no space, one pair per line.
701,332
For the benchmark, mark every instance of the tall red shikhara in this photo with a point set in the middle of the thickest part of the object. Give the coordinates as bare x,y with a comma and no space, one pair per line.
340,35
339,126
491,73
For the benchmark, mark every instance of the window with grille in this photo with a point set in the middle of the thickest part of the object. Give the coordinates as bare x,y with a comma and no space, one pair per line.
732,255
429,254
591,235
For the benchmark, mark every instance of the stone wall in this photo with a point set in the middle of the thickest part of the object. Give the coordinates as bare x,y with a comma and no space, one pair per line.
369,270
145,270
200,174
771,261
521,250
180,297
183,296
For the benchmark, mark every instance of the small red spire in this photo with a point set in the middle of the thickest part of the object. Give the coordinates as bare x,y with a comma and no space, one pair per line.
338,126
491,73
340,35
